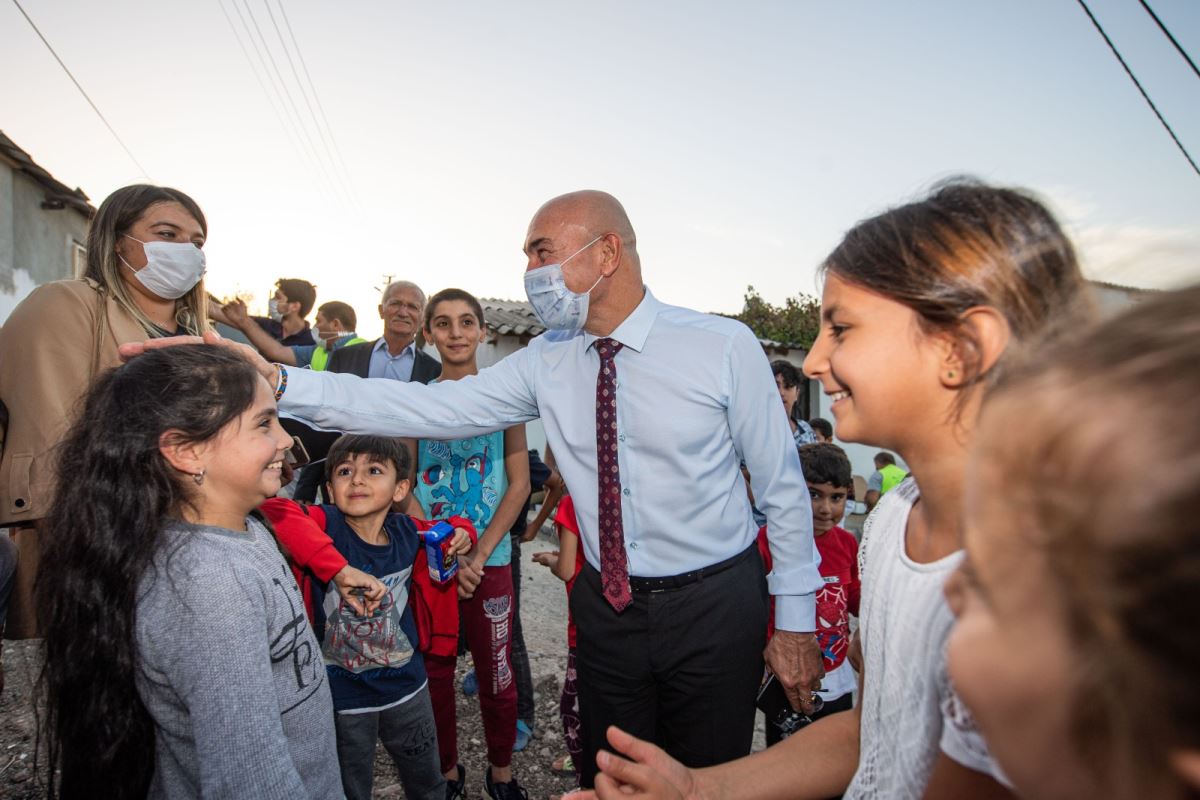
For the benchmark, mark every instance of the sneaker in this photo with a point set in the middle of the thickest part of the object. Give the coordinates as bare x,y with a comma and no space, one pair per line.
503,791
470,684
524,734
457,789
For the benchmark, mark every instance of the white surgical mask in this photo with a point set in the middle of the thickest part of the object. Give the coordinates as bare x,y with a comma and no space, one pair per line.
273,310
319,337
556,306
172,268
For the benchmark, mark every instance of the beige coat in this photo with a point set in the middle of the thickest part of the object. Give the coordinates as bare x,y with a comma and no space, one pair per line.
51,346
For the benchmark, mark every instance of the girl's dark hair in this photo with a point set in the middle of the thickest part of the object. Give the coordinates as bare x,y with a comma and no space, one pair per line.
1115,516
114,492
384,449
965,245
453,294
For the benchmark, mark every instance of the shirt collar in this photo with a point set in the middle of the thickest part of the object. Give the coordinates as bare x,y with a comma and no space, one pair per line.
381,344
634,329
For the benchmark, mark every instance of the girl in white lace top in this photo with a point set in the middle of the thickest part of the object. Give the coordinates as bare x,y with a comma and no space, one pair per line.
918,308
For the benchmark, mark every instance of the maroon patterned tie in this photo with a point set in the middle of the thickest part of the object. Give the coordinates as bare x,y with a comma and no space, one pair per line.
614,569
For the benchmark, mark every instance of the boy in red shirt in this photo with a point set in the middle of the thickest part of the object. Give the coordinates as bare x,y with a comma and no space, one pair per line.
827,472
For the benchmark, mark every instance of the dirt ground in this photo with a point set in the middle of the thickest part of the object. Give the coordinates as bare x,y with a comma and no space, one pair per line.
543,617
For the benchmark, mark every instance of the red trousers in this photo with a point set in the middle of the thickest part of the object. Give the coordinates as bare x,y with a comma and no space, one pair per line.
487,621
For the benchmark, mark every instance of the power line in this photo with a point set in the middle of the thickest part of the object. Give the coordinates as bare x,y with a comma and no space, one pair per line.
1163,28
270,57
320,107
111,130
311,113
1138,84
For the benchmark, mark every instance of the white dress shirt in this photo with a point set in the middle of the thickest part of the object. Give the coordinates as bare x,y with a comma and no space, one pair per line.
695,395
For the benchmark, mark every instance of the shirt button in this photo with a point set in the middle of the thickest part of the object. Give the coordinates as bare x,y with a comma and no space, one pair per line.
625,491
633,545
621,437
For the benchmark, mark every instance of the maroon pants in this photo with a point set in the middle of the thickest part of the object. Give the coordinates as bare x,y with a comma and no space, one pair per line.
487,620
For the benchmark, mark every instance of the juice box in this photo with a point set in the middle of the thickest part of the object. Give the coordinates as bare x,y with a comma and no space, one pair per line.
442,565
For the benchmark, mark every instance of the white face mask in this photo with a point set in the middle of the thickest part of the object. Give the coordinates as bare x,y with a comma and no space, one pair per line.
556,306
319,337
273,310
172,268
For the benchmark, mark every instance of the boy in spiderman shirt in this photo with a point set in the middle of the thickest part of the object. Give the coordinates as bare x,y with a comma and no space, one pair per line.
371,644
827,472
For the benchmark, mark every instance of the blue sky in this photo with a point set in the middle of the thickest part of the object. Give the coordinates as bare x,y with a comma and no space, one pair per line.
743,138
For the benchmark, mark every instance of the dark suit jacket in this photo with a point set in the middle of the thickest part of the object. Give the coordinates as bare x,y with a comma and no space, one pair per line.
356,360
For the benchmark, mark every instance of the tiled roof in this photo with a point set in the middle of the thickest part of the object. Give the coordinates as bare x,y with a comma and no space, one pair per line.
516,318
511,317
58,194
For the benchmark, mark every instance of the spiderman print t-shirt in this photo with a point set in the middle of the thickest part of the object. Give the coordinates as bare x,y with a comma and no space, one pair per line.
464,477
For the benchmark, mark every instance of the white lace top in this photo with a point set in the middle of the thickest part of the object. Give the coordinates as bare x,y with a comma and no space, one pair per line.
909,711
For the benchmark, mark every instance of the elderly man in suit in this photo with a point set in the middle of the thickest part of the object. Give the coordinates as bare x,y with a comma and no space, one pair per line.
394,355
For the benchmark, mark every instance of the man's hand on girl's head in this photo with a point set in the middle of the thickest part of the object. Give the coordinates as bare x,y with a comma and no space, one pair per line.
265,368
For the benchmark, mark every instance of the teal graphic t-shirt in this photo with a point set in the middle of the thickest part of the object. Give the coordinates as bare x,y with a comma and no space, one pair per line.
465,478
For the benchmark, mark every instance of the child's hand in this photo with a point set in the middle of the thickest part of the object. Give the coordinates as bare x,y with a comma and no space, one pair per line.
372,591
469,576
461,543
547,558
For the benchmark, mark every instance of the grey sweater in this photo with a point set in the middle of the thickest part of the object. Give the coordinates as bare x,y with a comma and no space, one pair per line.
230,671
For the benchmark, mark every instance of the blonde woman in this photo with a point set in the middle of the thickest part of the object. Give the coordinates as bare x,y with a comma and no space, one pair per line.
143,279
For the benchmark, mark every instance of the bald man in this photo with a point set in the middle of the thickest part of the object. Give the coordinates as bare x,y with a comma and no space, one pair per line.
647,408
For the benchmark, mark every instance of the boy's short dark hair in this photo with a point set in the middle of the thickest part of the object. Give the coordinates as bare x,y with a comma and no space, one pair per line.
342,312
821,426
453,294
825,462
381,448
883,458
297,290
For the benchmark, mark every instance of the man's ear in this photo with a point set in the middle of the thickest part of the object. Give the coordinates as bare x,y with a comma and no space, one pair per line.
401,491
611,249
182,454
987,336
1187,765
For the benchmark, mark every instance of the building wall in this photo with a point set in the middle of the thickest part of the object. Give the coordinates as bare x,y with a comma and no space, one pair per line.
36,245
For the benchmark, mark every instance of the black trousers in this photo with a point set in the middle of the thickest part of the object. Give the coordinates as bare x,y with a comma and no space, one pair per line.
679,667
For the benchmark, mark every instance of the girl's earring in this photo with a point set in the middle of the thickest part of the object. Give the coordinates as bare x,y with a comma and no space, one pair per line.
950,375
199,477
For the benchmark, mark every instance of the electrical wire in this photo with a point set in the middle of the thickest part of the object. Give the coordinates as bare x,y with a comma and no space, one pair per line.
1166,32
320,107
125,147
304,94
1138,84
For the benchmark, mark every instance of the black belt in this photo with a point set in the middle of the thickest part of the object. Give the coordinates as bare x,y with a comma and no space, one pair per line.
669,582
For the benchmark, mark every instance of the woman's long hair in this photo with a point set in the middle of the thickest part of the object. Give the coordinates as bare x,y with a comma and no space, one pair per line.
114,493
117,214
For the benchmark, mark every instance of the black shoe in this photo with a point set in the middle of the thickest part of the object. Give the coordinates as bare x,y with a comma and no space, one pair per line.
503,791
457,789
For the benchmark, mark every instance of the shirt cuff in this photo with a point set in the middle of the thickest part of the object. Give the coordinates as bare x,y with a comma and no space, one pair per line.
796,612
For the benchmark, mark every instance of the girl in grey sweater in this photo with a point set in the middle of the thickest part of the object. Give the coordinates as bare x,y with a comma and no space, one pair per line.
179,662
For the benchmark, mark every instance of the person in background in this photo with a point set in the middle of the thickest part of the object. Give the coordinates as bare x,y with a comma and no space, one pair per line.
887,476
822,428
287,310
334,330
143,280
394,355
789,382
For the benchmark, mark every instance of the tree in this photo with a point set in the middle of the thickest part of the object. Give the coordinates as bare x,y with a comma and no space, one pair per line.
796,322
